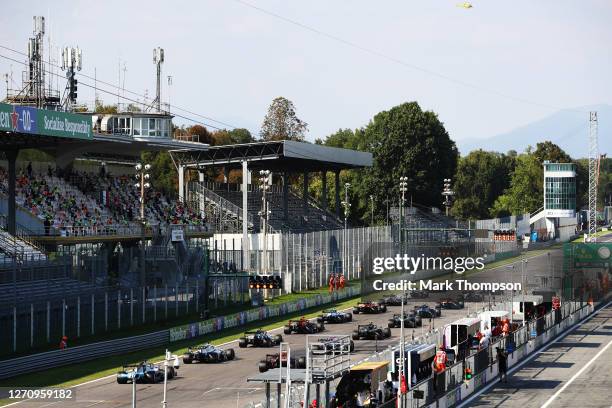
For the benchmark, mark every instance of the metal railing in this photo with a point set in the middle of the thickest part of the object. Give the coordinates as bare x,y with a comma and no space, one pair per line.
72,355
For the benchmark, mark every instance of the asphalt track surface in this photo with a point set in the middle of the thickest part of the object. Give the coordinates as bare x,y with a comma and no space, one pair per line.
224,384
574,371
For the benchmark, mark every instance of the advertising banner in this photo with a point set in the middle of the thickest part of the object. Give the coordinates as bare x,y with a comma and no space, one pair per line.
238,319
24,119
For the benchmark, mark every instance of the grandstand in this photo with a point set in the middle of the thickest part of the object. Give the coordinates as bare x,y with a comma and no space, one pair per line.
300,218
289,211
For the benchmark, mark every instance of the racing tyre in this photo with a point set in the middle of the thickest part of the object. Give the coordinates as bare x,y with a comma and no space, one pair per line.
355,336
121,380
356,311
386,332
230,354
301,363
349,317
384,308
262,366
278,339
242,343
320,326
287,330
352,346
391,324
187,359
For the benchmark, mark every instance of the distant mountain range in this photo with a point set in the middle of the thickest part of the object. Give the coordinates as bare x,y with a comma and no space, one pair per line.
568,129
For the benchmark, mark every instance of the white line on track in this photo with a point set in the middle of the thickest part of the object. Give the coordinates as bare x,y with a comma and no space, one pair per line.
571,380
565,333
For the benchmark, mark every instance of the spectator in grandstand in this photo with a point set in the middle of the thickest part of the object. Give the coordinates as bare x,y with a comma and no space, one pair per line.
29,168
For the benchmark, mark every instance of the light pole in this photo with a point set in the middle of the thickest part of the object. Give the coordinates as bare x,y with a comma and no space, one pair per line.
447,193
265,180
403,186
372,210
174,358
134,387
142,184
511,267
347,209
523,263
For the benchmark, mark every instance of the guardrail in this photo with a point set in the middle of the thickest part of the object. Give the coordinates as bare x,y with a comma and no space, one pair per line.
71,355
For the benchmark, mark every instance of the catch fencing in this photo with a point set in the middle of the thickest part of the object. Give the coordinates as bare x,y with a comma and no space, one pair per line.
307,260
76,310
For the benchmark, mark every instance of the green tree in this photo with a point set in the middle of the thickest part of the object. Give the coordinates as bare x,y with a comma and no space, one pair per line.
282,123
548,151
407,141
526,188
164,177
240,135
480,179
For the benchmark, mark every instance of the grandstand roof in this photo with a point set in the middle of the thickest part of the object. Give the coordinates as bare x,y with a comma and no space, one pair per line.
282,155
99,144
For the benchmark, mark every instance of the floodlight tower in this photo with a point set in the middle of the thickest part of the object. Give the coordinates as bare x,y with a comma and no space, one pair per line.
158,59
447,192
593,175
72,61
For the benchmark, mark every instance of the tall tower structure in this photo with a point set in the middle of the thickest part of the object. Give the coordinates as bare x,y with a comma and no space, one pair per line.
72,61
593,176
35,81
158,59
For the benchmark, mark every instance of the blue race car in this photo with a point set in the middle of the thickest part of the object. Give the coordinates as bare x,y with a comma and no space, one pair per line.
259,338
207,353
334,316
144,373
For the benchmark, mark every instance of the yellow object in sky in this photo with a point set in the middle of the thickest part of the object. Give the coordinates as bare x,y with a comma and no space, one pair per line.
465,5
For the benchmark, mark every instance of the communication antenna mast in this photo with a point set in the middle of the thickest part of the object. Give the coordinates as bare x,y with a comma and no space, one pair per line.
35,81
593,176
72,61
158,59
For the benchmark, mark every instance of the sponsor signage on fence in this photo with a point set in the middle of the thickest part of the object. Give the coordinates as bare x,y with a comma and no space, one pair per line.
591,255
193,330
25,119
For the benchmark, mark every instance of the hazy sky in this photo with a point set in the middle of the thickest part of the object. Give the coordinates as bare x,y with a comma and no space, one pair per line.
484,70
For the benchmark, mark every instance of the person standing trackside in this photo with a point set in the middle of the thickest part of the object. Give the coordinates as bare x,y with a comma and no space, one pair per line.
502,361
63,343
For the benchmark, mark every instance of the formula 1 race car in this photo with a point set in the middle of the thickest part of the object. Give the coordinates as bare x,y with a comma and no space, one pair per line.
334,316
419,294
207,353
144,373
369,307
471,297
277,360
303,326
259,338
451,304
410,320
425,311
371,332
393,300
